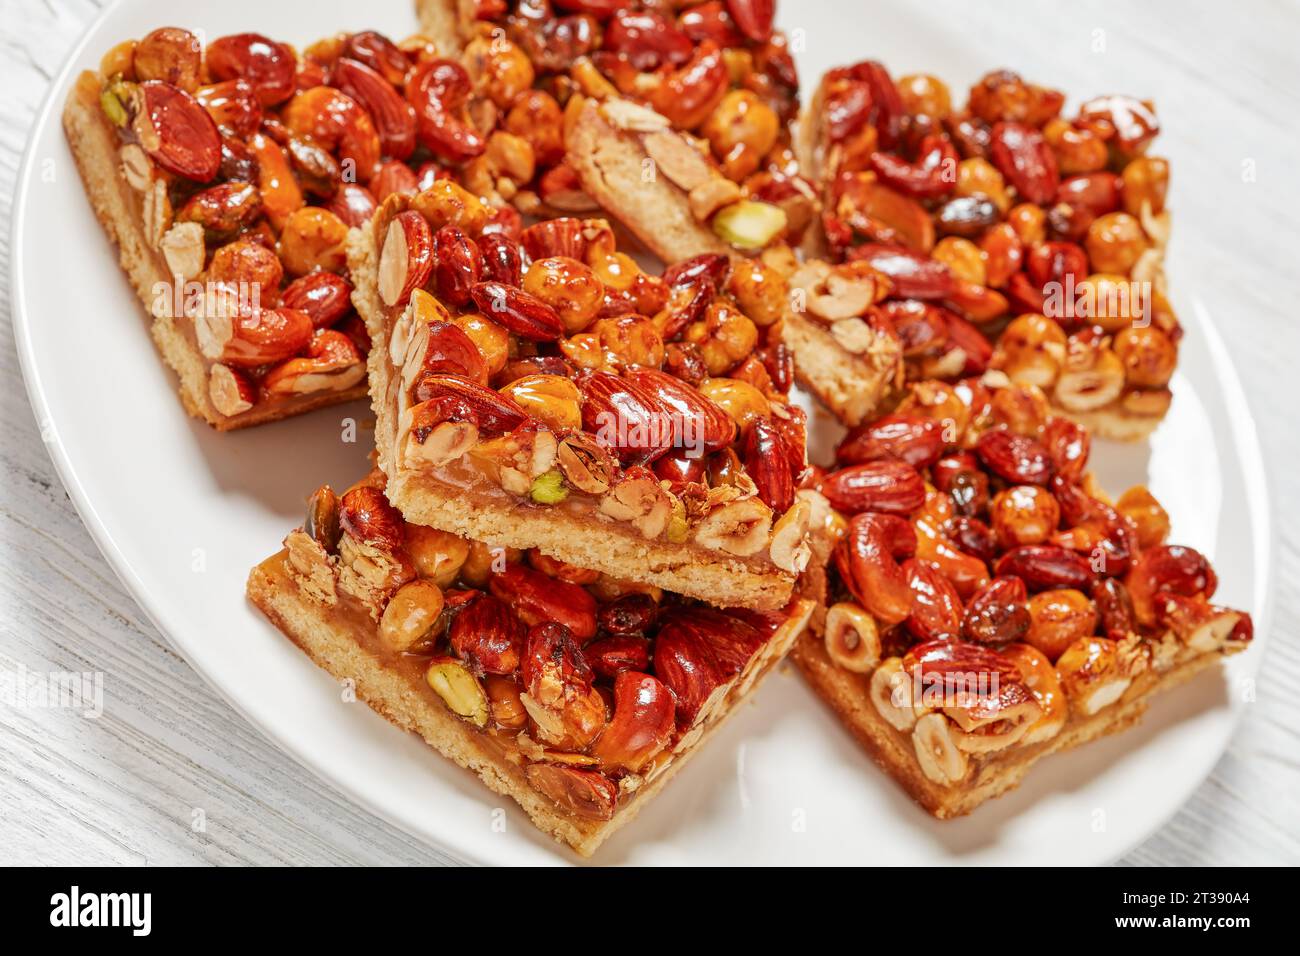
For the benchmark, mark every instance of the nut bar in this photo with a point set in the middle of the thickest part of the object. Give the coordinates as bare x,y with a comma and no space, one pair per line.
536,389
676,123
845,352
229,177
533,674
987,604
1014,238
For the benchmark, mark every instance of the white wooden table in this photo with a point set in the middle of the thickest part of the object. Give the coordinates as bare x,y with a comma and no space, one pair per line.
170,775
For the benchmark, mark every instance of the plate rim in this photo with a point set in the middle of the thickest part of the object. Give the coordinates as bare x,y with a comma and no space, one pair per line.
1242,429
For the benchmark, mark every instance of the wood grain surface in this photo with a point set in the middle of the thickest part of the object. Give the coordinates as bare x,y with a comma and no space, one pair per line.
171,775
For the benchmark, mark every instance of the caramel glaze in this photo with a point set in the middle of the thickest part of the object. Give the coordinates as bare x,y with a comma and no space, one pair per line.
348,614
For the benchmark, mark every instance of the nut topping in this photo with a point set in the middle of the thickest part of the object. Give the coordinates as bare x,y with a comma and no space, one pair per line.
642,724
585,464
177,132
459,690
584,793
936,750
537,598
789,548
891,694
852,638
1040,677
231,392
411,615
1049,230
427,434
738,527
1094,673
637,497
565,710
867,559
406,259
884,486
332,364
835,293
488,635
136,167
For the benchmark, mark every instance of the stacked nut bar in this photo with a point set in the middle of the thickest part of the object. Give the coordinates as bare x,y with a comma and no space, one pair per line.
1013,238
599,460
987,604
675,122
673,118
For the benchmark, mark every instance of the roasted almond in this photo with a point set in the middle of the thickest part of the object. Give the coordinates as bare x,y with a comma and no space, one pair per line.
521,313
489,635
625,417
767,461
701,423
406,259
886,486
491,411
366,514
394,119
538,598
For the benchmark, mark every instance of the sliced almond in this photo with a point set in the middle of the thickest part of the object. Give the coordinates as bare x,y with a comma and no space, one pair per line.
231,392
183,248
627,115
683,164
137,168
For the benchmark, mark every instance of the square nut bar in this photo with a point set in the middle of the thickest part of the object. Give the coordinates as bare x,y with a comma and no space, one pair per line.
675,122
1013,238
535,675
986,604
536,389
228,177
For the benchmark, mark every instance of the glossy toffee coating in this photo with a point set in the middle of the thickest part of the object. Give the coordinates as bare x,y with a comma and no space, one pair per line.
978,562
251,162
543,366
593,685
716,72
1015,238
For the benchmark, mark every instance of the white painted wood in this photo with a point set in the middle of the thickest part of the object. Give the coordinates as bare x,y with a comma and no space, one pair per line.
129,786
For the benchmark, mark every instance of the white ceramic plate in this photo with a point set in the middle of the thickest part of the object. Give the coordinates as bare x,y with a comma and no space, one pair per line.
182,513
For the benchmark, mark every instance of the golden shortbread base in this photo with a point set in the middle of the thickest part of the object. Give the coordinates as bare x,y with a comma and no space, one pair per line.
407,702
991,775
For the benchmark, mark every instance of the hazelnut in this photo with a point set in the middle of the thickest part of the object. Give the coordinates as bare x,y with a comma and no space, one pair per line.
852,638
437,555
936,750
891,694
411,615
